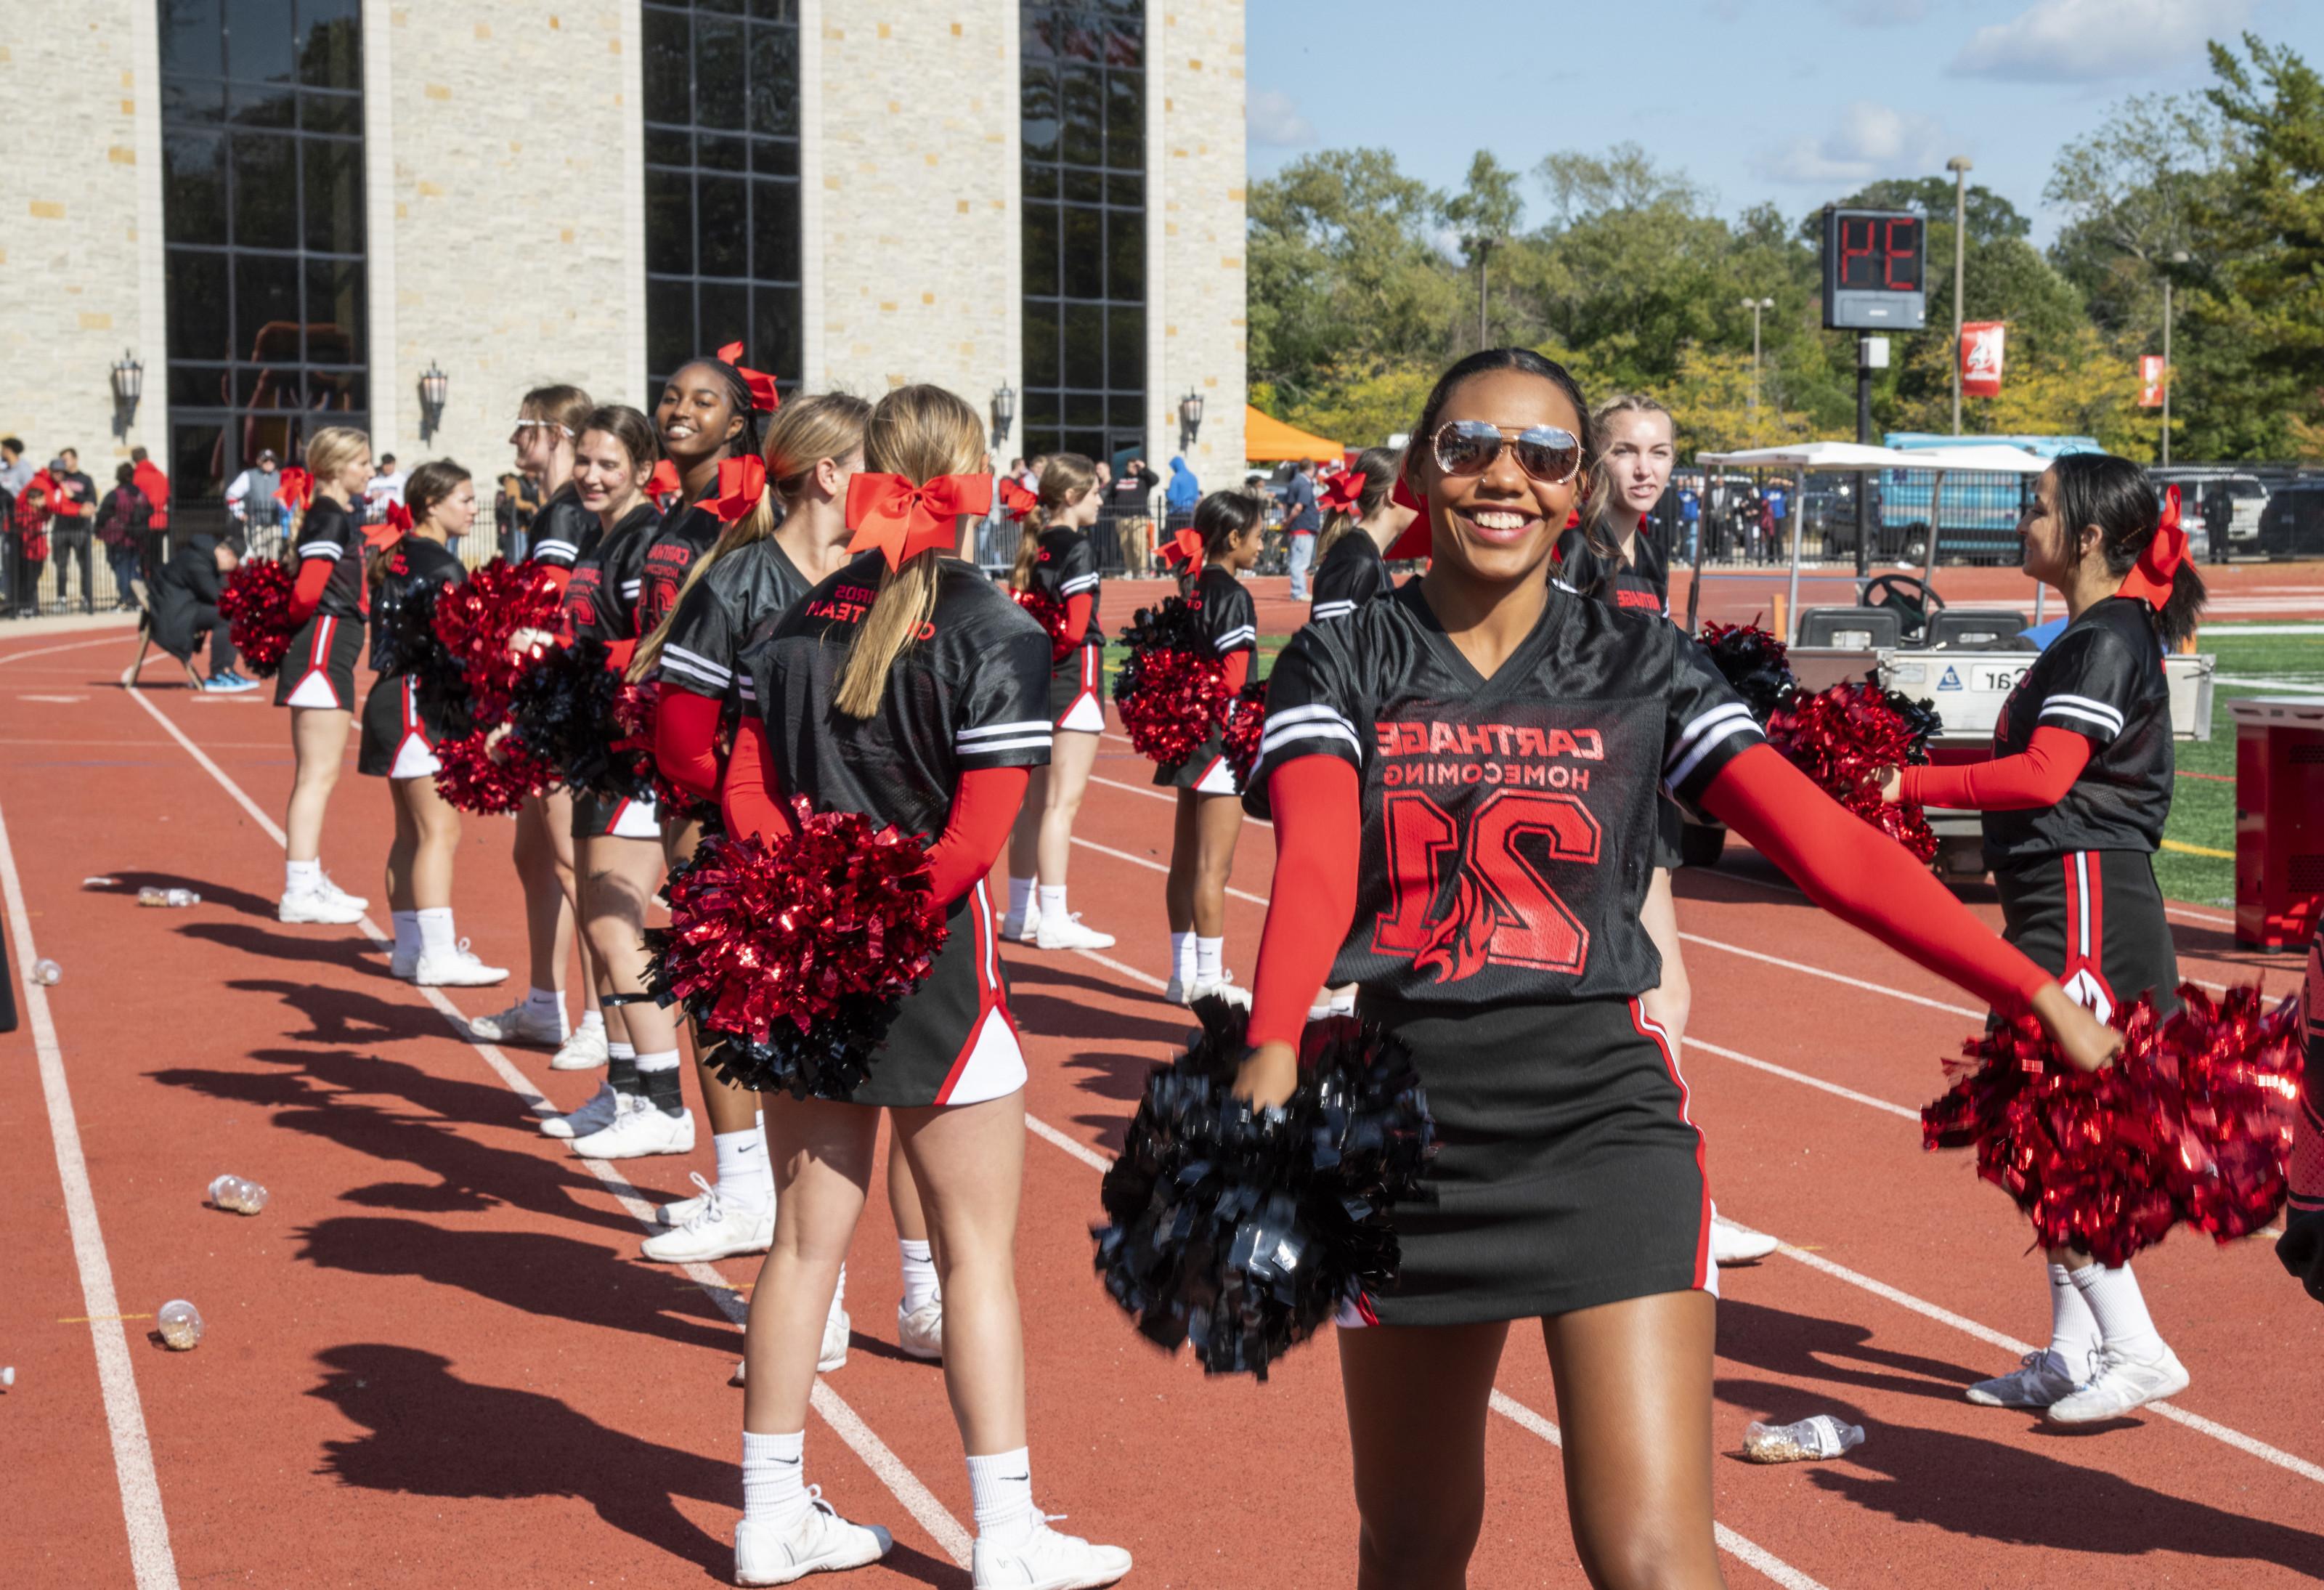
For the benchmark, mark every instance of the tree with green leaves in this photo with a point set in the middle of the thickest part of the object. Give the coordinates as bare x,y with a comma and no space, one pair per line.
1483,216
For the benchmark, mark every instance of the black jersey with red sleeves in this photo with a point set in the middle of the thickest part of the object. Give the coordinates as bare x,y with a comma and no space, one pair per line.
1227,618
602,598
685,539
971,692
330,532
1065,566
1639,583
564,532
1352,574
1508,823
742,590
2102,678
413,562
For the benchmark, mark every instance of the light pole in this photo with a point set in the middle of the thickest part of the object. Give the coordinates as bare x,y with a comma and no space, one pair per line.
1756,305
2177,257
1959,167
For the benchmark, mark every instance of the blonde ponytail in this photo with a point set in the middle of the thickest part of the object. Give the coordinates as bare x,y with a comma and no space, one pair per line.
1064,477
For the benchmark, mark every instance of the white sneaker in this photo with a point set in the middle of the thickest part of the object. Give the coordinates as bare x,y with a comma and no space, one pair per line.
2119,1384
584,1052
832,1355
596,1116
1225,988
342,899
457,969
641,1129
522,1023
719,1229
920,1332
1024,930
1046,1560
1737,1245
1177,991
2040,1379
1067,933
314,905
683,1210
820,1542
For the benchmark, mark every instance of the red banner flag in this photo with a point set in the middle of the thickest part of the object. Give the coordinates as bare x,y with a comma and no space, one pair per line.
1980,357
2149,380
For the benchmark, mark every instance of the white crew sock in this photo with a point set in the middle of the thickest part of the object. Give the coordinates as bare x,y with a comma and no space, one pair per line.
1020,898
1210,960
1001,1485
406,933
919,1272
2073,1328
1053,901
745,1180
2114,1299
774,1478
299,877
591,1021
435,935
553,999
1182,958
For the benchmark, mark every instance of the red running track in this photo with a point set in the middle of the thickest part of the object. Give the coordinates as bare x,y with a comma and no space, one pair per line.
437,1359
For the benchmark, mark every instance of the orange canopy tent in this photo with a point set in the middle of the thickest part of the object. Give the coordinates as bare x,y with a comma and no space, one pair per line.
1266,440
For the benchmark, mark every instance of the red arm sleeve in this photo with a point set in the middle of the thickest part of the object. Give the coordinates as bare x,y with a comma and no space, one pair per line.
1859,875
314,575
685,740
1237,666
561,573
1318,834
751,800
1077,612
984,810
2040,775
618,654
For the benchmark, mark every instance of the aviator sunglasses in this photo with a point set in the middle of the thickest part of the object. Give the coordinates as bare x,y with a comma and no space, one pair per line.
1547,453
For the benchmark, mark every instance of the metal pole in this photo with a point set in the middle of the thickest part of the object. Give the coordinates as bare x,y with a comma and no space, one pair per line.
1754,370
1484,335
1863,480
1791,602
1960,169
2167,372
1936,500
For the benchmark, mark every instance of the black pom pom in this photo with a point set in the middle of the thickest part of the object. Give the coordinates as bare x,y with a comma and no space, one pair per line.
1244,1233
403,627
562,710
1754,661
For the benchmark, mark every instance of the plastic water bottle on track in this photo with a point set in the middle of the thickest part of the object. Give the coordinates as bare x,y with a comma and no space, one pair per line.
1810,1439
149,895
46,973
242,1197
180,1325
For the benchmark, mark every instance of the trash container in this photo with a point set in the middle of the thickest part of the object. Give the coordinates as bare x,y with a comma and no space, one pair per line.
2279,819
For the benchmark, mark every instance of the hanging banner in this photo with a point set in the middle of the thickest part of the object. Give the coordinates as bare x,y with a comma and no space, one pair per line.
1980,358
2149,380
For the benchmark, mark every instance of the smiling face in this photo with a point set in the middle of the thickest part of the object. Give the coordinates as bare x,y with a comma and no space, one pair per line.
605,473
697,415
1498,526
2046,549
1637,451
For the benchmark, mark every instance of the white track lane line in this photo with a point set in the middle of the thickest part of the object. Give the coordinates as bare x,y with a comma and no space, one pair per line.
151,1560
110,640
931,1514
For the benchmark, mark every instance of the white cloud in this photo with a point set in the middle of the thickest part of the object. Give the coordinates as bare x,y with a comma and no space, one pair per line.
2091,41
1871,140
1272,118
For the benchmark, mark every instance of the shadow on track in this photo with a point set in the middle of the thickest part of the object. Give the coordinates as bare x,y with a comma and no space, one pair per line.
212,892
351,950
1833,1352
347,1016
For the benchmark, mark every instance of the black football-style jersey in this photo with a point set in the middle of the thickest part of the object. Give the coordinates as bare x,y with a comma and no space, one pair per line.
1638,585
564,532
413,562
601,599
1508,823
686,537
1229,619
329,530
747,589
972,692
1352,574
1064,568
2102,677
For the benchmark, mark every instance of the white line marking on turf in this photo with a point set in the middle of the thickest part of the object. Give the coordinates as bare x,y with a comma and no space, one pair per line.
918,1501
1776,960
1151,865
150,1558
110,640
1786,1072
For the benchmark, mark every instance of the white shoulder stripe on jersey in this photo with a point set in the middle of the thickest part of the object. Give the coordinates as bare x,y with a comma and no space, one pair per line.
715,684
1278,737
1080,582
1562,585
1240,636
1000,730
1331,610
1306,714
629,586
1702,723
330,550
990,747
2091,708
694,662
750,692
2053,708
1740,723
555,550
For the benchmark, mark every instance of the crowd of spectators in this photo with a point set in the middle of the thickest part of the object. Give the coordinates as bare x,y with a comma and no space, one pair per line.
54,514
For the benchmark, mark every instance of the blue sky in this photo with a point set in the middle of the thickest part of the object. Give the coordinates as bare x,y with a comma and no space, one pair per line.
1794,101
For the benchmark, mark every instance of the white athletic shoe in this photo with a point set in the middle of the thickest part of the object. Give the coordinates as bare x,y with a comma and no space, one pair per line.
2119,1384
2040,1379
586,1051
1024,930
920,1332
1046,1560
820,1542
522,1023
1225,988
319,905
719,1229
1737,1245
457,969
831,1355
596,1116
682,1211
1177,991
641,1129
1067,933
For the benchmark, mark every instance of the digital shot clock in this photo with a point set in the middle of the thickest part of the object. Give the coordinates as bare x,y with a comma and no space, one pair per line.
1875,270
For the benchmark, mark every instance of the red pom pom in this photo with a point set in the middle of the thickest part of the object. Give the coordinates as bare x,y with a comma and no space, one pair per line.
1246,723
2192,1124
256,606
490,779
1840,737
1179,699
1051,617
635,708
477,619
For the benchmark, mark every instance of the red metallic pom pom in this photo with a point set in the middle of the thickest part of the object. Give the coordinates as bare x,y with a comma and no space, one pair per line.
256,606
2192,1124
1051,617
477,619
1841,736
488,779
635,708
1246,724
1173,691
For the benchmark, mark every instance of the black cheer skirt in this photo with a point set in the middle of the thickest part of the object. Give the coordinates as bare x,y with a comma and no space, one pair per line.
2093,920
1205,771
1077,690
400,734
953,1041
318,670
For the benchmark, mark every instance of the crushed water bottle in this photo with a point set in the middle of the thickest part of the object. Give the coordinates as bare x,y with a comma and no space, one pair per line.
102,881
8,1378
231,1192
46,973
149,895
1820,1437
180,1325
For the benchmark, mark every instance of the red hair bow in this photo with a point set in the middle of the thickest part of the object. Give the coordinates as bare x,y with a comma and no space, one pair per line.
1418,536
1015,499
2158,566
393,527
763,395
742,483
1343,491
663,484
1184,548
296,489
903,520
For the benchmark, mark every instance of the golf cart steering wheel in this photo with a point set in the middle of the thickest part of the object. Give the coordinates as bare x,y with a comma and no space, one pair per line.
1912,599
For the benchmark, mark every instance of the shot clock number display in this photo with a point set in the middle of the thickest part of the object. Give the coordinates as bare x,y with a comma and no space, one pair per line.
1875,270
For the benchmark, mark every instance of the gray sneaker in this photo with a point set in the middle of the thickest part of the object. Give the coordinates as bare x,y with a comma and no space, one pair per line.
2040,1379
2119,1384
